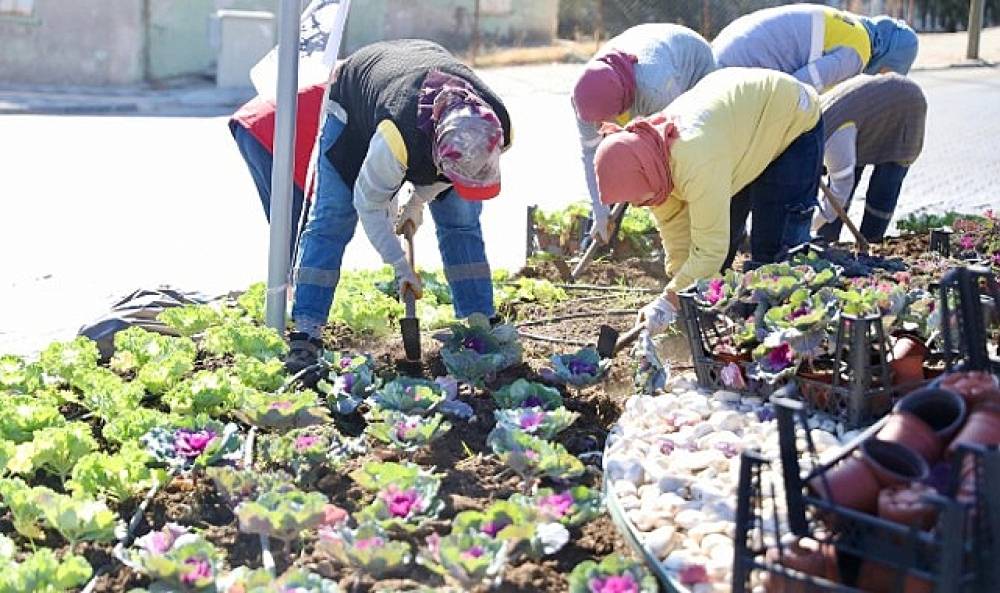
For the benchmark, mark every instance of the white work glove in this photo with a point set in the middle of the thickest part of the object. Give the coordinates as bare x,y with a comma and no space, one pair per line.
411,212
819,221
657,315
601,229
407,279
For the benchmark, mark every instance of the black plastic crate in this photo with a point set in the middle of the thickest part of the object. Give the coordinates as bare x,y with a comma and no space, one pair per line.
860,390
956,556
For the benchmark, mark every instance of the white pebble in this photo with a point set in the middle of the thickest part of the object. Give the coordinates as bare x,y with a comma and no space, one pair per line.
628,502
688,518
729,397
726,420
661,541
625,488
673,483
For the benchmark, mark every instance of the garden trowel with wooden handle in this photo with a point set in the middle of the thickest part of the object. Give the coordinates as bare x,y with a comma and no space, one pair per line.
610,342
409,325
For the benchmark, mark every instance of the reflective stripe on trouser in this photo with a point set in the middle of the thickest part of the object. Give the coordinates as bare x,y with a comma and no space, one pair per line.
884,187
460,241
330,227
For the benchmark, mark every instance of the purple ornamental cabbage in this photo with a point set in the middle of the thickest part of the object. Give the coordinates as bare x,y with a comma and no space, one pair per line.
614,584
192,443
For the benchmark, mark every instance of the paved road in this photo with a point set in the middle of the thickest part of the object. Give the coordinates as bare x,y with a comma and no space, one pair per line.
96,206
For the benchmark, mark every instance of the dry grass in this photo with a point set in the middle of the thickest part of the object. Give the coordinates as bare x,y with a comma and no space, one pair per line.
560,51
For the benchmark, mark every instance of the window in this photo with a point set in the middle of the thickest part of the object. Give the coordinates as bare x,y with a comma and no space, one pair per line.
495,7
17,7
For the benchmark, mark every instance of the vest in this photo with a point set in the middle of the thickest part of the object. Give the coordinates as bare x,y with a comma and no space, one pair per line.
381,82
842,29
889,112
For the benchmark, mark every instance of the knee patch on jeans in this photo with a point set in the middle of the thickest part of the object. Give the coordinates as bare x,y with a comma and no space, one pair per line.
317,277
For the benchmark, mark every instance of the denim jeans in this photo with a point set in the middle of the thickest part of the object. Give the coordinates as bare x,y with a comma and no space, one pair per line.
258,160
330,227
781,199
883,193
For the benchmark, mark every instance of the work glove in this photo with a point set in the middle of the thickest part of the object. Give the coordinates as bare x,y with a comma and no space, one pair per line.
657,316
651,374
411,212
407,279
304,351
600,230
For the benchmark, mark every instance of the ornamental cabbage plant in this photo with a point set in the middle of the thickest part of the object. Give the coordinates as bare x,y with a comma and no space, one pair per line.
614,574
717,293
268,375
287,410
475,352
78,519
67,360
375,476
572,507
467,560
22,416
207,392
308,452
404,507
537,421
525,530
22,502
180,560
803,323
773,361
282,513
526,394
190,320
196,442
54,450
246,338
532,457
352,380
18,376
409,396
260,580
119,477
131,425
581,368
366,549
408,433
237,485
106,394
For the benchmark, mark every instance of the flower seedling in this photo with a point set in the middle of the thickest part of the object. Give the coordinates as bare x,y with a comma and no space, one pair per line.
22,416
614,574
526,394
475,352
18,376
54,450
294,580
78,519
533,458
367,549
243,337
21,500
191,320
803,322
523,527
404,507
238,485
581,368
716,294
467,560
353,380
159,361
282,513
207,392
182,561
309,452
408,433
118,477
197,443
537,421
773,362
266,375
375,476
66,361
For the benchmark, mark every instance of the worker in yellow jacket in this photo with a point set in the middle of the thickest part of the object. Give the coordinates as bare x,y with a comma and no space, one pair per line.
819,45
742,141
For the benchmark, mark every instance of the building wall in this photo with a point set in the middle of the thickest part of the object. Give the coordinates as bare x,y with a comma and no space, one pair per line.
73,43
450,22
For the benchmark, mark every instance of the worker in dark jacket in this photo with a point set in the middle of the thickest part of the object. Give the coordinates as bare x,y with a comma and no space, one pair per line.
876,121
400,111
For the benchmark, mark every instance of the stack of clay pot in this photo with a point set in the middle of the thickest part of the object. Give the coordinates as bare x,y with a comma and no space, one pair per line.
884,475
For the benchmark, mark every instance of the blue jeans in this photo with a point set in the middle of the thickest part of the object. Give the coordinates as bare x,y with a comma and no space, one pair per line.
781,199
331,225
258,160
880,203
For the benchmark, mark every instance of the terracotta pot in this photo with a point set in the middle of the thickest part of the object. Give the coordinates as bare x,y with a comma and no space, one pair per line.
975,386
943,410
851,483
908,356
906,429
892,463
807,556
906,505
816,395
876,577
982,428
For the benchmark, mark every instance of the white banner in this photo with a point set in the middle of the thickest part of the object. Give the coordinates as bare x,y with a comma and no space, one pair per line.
321,31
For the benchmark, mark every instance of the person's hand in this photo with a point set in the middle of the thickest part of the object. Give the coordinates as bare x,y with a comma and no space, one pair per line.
408,280
657,315
412,212
600,231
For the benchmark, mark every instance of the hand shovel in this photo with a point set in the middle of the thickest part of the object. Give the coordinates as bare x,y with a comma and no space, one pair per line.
862,243
409,325
610,342
617,213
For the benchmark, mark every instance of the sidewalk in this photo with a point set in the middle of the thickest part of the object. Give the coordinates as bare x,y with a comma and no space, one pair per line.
199,97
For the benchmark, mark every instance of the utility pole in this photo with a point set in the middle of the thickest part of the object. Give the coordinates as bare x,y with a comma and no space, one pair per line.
706,19
976,8
599,25
475,32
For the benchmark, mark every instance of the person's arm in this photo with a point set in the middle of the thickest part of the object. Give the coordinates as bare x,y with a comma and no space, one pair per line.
707,198
830,69
589,140
380,178
839,157
675,233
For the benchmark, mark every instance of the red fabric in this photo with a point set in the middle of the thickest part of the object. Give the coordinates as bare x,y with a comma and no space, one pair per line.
633,161
607,87
257,116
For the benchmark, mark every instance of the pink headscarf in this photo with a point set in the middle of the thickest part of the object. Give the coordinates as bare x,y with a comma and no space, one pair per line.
633,161
607,87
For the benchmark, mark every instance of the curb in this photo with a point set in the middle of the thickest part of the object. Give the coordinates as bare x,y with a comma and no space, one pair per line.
957,65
